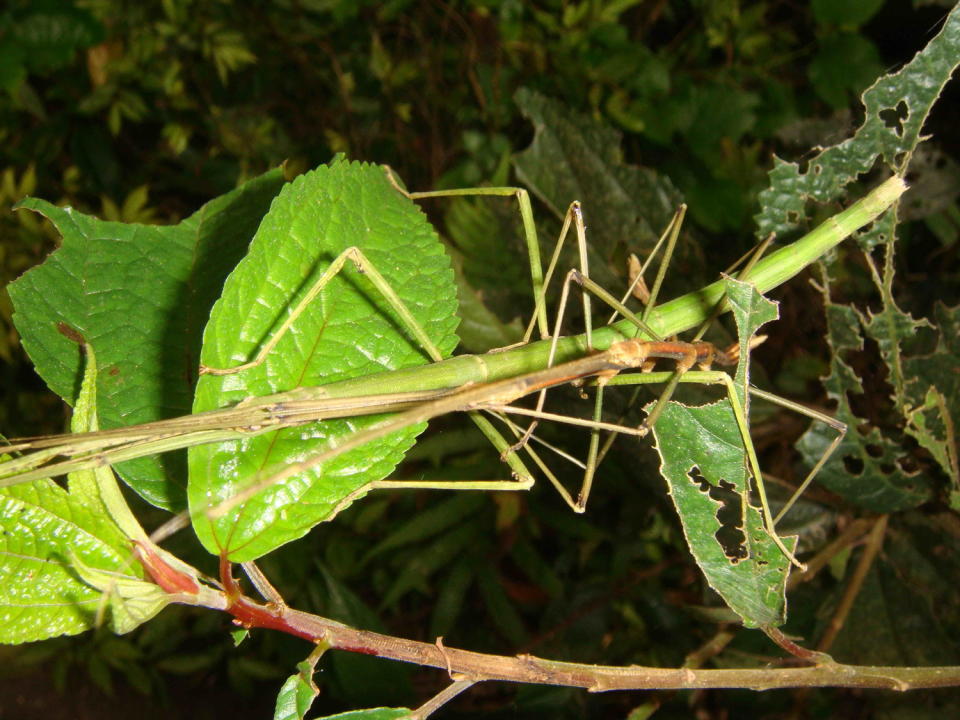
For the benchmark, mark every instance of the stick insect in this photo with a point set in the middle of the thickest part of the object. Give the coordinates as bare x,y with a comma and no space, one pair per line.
559,349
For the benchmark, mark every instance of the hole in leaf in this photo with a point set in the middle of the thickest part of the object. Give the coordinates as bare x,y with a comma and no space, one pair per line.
853,465
893,118
793,216
874,450
908,464
730,535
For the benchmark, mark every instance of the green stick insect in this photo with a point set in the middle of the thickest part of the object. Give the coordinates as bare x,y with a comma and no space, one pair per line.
267,459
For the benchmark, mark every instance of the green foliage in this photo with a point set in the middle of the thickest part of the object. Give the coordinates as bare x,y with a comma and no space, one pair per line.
702,456
896,106
41,37
572,157
65,555
350,331
155,314
871,468
297,694
140,112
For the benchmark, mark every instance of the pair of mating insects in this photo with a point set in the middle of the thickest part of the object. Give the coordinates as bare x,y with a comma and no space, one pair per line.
54,456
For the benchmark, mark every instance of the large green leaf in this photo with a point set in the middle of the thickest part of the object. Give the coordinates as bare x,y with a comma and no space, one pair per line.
349,331
45,532
139,295
704,462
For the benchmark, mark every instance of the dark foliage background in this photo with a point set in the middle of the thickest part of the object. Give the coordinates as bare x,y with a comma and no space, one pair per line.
144,111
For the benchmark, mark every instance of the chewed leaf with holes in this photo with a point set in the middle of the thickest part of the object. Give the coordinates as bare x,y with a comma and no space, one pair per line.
870,468
704,463
933,397
867,468
348,331
895,109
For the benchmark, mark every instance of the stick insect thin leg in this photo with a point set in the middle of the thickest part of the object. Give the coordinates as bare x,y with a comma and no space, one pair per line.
581,277
753,463
576,215
539,283
840,427
363,265
537,280
670,237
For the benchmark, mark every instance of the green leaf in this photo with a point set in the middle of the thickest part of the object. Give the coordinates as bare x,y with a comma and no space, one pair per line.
845,63
132,600
139,294
704,462
371,714
845,13
573,157
51,32
62,555
896,107
866,468
297,694
349,331
42,531
891,327
933,394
